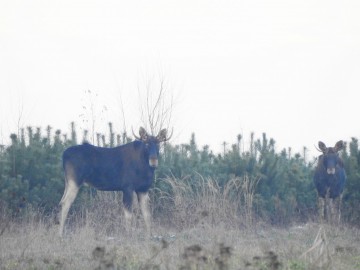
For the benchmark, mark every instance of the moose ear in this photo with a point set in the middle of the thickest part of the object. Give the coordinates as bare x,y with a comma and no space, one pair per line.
143,134
162,135
339,146
322,146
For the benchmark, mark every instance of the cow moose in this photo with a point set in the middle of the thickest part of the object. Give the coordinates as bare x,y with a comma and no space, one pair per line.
128,168
329,180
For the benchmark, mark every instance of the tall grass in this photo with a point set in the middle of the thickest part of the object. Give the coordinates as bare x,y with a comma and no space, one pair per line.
196,225
183,203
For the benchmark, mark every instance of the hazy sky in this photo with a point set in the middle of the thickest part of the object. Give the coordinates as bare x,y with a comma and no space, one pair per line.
287,68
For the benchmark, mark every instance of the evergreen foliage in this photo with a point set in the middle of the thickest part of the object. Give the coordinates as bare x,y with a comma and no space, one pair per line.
31,173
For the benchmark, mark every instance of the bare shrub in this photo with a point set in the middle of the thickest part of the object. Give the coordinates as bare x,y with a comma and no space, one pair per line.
248,186
187,202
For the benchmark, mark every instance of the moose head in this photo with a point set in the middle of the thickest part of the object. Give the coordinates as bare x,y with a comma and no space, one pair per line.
330,158
152,144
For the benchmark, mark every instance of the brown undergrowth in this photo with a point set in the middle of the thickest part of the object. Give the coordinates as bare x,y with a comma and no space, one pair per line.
201,227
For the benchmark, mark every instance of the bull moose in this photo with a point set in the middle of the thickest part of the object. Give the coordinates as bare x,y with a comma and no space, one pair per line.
128,168
329,180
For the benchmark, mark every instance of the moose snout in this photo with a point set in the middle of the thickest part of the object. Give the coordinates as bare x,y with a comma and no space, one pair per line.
153,162
330,170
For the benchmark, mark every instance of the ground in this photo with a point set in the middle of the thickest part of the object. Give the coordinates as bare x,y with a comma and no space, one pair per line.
36,245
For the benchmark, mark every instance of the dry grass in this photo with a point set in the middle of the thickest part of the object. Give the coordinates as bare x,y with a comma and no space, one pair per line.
37,246
205,229
186,202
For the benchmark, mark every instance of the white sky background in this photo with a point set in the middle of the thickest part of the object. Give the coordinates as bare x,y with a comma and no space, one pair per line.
287,68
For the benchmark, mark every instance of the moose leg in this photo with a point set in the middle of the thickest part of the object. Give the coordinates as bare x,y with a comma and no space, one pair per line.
321,207
127,200
71,190
143,198
335,211
65,192
332,208
57,217
339,201
328,207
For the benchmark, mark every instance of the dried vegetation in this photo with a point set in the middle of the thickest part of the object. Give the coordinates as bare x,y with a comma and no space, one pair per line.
206,227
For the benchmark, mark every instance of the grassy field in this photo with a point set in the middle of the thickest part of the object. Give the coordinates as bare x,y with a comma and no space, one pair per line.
212,228
35,244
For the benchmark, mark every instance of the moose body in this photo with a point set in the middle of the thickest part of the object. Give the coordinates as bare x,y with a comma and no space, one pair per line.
329,180
110,169
128,168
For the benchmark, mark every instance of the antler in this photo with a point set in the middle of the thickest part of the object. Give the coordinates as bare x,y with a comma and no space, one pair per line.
317,148
323,147
136,137
172,132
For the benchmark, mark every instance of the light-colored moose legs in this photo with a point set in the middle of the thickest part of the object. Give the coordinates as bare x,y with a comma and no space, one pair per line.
128,201
335,213
338,203
330,209
143,198
325,209
128,218
321,209
71,190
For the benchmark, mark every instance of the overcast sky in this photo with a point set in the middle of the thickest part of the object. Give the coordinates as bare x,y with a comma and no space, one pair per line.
287,68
